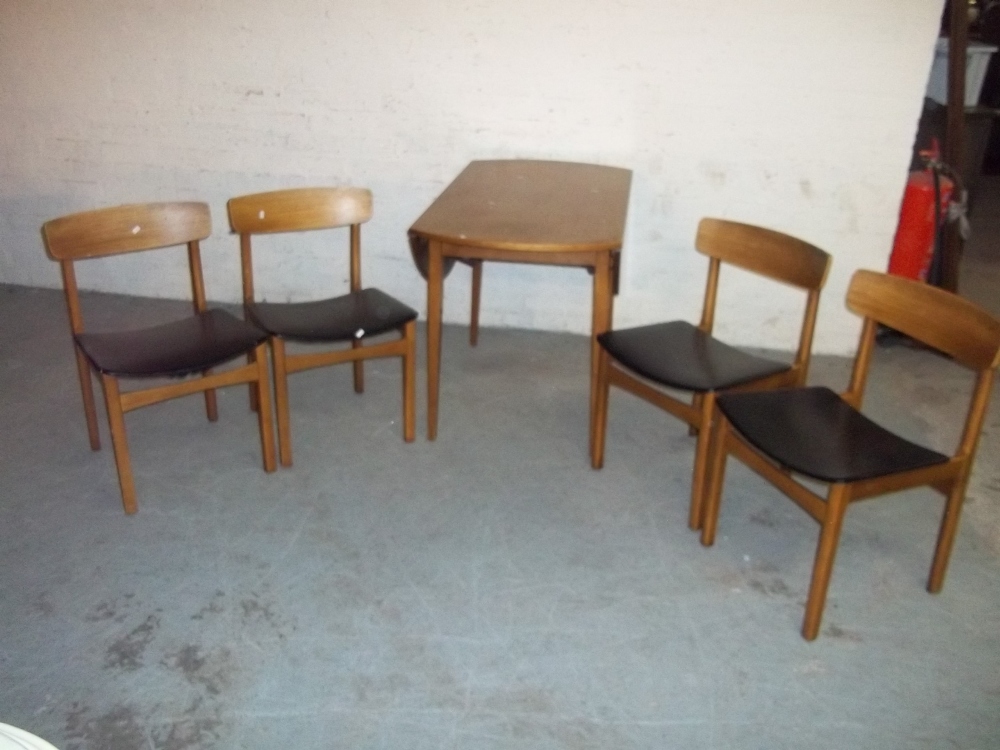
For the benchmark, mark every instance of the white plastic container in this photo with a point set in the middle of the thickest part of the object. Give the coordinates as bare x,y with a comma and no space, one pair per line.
12,738
977,60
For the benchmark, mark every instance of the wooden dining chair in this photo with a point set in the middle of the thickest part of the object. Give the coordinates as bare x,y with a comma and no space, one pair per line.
190,346
353,318
816,433
685,357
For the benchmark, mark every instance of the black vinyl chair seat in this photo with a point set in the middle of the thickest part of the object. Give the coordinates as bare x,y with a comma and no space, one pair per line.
370,311
175,349
680,355
814,432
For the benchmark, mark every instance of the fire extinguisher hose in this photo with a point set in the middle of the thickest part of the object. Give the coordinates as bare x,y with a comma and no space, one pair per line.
937,169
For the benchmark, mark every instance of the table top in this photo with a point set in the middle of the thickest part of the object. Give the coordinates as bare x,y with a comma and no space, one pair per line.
530,205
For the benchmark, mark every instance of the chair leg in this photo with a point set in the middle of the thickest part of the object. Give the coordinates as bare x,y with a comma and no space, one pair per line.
254,402
410,382
826,551
714,478
281,401
262,392
116,419
89,406
706,402
359,368
211,402
696,402
598,438
477,287
946,535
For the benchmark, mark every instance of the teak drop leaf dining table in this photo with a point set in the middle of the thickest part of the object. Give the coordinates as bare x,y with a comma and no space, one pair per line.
523,211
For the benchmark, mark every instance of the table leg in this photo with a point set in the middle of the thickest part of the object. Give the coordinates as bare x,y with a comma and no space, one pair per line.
477,286
601,322
435,293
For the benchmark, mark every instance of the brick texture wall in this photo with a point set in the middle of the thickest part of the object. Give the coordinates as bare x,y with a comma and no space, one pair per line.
792,114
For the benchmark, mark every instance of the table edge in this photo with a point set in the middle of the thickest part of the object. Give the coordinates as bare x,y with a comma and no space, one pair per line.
527,247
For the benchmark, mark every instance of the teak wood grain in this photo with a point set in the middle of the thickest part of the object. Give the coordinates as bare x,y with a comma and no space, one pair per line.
948,323
763,251
300,209
525,205
522,211
126,229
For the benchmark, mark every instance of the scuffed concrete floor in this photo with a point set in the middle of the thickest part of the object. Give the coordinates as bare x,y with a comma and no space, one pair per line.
487,590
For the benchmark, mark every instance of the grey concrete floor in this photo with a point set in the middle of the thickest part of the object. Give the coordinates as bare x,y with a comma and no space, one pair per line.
486,590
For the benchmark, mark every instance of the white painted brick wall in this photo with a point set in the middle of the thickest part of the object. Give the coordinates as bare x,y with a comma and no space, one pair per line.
792,114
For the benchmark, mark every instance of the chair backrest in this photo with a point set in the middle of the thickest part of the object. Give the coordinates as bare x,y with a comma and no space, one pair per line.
773,255
932,316
299,210
127,229
764,251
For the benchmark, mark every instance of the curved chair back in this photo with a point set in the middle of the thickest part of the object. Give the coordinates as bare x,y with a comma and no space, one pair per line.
125,229
299,209
930,315
771,254
764,251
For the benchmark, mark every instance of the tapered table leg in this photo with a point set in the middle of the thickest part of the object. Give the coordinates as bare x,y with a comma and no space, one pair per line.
435,293
600,323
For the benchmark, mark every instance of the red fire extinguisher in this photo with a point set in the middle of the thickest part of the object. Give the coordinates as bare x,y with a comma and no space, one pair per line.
926,201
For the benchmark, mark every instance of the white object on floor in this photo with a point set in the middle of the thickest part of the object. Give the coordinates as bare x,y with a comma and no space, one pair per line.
12,738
